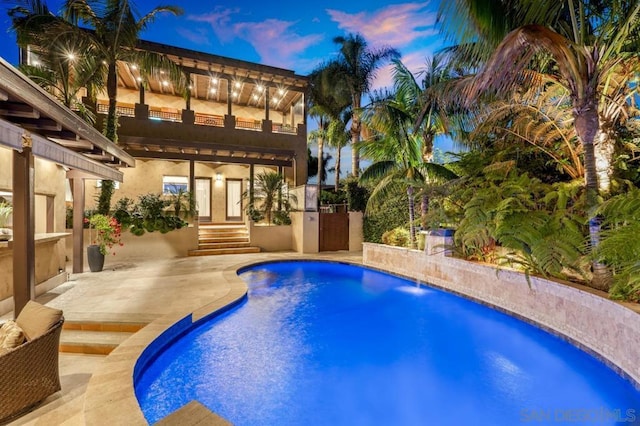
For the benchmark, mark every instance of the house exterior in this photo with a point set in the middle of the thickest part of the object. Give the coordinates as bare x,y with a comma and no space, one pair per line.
235,120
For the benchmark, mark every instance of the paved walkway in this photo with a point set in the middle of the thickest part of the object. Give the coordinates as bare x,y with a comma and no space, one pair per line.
136,291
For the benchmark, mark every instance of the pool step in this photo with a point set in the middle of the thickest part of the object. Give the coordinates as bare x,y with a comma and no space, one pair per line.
218,251
97,338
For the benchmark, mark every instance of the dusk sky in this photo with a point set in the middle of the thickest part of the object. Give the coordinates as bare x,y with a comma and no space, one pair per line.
290,34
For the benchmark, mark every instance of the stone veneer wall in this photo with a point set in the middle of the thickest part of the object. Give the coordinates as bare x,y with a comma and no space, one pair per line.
601,326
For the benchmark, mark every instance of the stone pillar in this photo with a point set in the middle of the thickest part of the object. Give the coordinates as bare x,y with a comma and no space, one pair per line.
438,242
188,116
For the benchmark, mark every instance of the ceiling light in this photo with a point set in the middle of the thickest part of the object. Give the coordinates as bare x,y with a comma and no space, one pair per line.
71,56
255,96
165,83
212,90
275,100
237,84
280,92
214,80
139,79
134,67
235,94
260,88
161,71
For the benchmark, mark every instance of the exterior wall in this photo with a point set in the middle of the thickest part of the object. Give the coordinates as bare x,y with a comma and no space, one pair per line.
151,245
147,177
306,235
271,238
585,316
356,236
50,259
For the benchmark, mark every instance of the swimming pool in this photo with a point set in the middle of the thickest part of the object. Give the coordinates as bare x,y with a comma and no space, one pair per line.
327,343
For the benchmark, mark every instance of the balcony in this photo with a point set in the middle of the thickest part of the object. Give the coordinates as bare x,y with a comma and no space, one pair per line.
201,119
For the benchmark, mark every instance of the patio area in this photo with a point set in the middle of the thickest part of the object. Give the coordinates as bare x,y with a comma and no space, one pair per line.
130,293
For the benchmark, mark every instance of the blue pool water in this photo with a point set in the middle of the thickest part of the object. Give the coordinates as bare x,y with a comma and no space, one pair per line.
319,343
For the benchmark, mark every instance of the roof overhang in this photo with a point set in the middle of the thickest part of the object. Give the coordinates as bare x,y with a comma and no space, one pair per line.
29,113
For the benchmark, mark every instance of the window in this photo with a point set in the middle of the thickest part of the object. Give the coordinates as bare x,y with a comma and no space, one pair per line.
174,184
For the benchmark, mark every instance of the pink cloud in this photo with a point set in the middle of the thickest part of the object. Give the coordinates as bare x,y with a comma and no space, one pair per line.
414,61
275,41
220,20
396,25
197,36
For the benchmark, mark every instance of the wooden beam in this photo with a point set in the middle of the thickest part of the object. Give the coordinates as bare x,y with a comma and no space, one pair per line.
42,123
3,95
24,250
78,225
126,140
18,109
208,158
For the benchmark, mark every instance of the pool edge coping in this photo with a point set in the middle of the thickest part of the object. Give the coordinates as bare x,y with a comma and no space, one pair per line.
110,394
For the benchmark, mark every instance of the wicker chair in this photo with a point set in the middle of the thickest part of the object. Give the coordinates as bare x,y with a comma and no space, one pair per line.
29,373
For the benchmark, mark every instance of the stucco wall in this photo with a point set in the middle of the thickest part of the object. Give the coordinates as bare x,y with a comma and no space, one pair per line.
271,238
304,226
356,236
49,264
146,178
151,245
608,329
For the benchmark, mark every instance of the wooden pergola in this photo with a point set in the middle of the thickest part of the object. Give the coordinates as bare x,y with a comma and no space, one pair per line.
35,124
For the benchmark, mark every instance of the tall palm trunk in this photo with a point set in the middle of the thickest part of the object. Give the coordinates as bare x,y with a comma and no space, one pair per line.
424,206
604,147
587,126
356,127
337,185
320,164
111,126
412,216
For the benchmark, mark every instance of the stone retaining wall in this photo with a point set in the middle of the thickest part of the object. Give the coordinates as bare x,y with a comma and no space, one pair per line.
607,329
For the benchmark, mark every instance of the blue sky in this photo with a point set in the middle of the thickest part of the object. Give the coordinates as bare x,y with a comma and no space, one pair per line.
290,34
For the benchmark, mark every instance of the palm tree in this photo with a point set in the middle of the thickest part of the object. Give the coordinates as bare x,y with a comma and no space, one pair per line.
338,138
357,65
397,151
114,29
590,50
328,99
269,187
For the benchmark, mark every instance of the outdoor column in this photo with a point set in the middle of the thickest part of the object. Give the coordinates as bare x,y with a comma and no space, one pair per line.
188,116
267,126
23,226
229,119
192,177
281,173
251,178
78,225
141,110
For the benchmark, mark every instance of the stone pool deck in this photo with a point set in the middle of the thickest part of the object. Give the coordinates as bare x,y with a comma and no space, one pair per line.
135,292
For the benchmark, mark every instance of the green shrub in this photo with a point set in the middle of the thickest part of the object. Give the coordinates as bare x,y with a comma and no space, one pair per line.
357,195
397,237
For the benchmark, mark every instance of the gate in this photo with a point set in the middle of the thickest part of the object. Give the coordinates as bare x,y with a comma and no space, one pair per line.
334,231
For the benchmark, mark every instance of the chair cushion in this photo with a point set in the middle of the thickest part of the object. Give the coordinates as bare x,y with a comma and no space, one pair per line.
36,319
11,336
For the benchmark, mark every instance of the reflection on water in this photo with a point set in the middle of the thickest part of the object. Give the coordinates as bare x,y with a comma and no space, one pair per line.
329,344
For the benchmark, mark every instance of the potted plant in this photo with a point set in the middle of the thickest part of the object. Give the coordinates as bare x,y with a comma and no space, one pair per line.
5,212
107,234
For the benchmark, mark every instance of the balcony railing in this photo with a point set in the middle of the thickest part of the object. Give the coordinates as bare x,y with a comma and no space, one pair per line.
209,120
247,124
121,110
201,119
284,128
165,115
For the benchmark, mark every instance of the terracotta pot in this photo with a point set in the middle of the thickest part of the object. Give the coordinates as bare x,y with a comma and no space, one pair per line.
95,258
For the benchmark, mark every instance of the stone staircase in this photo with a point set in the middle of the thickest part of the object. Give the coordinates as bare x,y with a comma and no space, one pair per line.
95,337
223,238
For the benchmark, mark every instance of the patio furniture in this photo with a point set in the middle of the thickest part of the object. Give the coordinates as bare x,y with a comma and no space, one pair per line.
29,373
